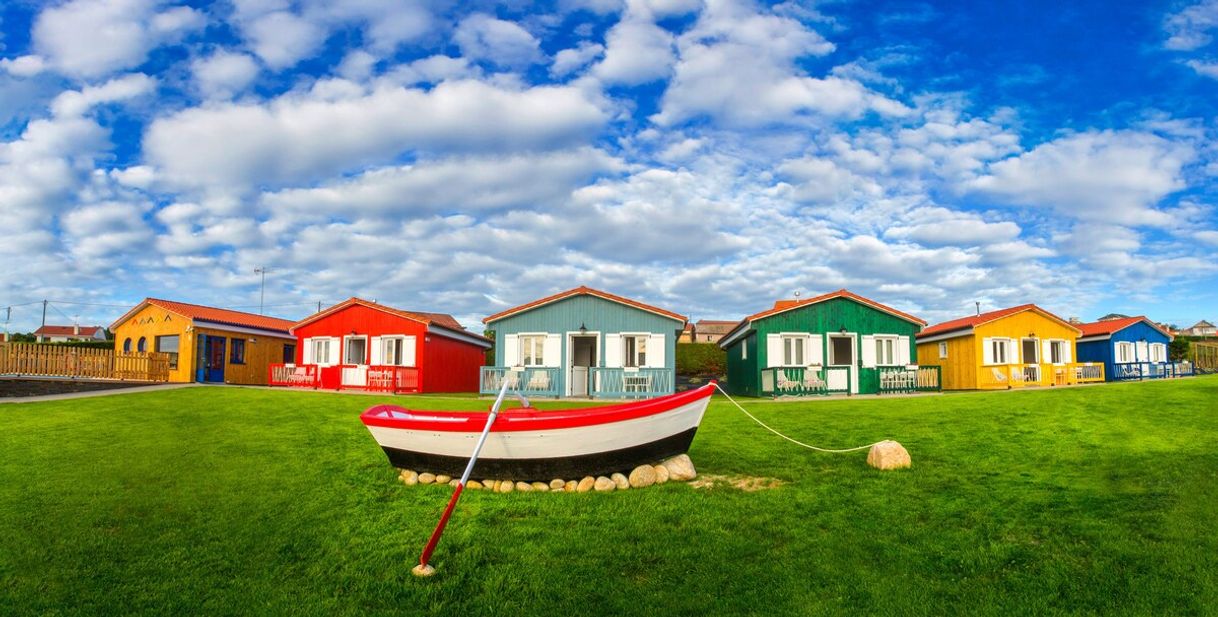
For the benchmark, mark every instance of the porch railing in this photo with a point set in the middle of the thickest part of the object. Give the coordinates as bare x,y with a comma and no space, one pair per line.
295,375
1127,371
805,381
392,379
909,379
1025,375
61,361
529,380
630,382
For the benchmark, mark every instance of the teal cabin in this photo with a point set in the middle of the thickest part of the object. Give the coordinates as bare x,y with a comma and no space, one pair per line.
584,343
837,343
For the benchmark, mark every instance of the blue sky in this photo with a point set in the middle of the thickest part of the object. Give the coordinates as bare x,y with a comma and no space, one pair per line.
709,157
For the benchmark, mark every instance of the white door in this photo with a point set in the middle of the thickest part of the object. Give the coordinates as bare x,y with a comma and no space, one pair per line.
843,350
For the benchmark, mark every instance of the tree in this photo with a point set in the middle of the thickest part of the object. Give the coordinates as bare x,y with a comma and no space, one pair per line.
1178,349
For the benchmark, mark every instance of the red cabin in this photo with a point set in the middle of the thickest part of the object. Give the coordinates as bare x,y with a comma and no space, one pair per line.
362,345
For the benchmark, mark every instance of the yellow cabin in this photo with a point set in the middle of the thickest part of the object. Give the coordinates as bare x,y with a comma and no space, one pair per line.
206,344
1009,348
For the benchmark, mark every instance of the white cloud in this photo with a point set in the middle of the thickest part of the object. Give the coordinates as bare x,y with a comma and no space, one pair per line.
1190,28
357,65
282,38
75,103
499,42
1207,69
223,74
295,138
941,227
24,66
575,58
738,66
90,38
637,52
1116,177
98,233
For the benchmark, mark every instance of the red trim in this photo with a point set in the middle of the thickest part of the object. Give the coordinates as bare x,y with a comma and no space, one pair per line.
528,418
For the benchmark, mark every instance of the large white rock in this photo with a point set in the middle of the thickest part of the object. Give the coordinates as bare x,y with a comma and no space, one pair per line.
571,486
620,481
680,468
443,478
586,484
604,484
541,487
556,484
505,486
523,487
410,477
661,473
889,455
473,485
642,476
427,478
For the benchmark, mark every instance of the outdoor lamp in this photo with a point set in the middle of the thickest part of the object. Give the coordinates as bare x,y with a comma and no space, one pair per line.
582,328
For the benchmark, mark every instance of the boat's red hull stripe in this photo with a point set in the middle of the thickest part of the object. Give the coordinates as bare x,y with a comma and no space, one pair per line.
526,419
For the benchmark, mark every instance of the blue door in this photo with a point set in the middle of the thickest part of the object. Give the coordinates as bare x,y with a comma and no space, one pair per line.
214,361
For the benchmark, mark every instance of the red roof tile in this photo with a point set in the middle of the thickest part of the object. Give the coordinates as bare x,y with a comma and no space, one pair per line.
1109,326
976,320
588,291
213,314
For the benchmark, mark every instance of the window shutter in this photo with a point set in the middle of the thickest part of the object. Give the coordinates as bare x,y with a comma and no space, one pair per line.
1067,351
868,351
1013,351
307,356
374,354
903,356
336,351
1143,351
773,350
613,350
816,350
987,351
656,354
409,345
551,354
1046,350
511,350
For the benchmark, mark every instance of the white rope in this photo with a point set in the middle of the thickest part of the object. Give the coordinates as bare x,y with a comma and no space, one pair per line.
794,441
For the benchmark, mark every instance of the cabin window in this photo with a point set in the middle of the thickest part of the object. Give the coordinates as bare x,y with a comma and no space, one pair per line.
127,345
397,350
841,351
142,345
793,350
636,350
885,350
356,351
942,350
321,351
998,349
1124,352
237,353
289,353
169,345
1158,352
1057,352
532,349
744,349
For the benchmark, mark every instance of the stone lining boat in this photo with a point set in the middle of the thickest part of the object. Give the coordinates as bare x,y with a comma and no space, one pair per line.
529,444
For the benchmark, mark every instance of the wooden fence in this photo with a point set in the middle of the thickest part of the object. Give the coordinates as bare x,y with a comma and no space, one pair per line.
1205,356
59,361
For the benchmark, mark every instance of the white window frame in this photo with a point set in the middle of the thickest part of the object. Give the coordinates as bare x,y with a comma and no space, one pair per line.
793,346
886,350
637,357
1125,358
346,356
997,345
324,358
942,350
400,341
534,344
1158,352
1057,351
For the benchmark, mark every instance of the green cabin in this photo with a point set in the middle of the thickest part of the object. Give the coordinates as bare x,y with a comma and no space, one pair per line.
837,343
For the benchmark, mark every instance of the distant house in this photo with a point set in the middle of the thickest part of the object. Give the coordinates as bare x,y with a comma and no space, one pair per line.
63,334
1113,316
587,343
362,345
687,334
1201,328
710,331
204,343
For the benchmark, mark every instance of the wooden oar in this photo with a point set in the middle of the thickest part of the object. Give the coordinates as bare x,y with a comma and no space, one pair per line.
426,570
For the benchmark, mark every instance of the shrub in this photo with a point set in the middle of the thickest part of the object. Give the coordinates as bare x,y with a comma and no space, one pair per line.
701,359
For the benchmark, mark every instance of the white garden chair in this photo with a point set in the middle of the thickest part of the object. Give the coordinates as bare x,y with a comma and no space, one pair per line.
812,380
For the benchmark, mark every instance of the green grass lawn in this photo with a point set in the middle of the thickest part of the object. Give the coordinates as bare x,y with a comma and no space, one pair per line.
1093,500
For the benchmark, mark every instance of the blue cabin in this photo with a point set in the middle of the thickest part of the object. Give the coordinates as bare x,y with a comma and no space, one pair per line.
1130,348
584,343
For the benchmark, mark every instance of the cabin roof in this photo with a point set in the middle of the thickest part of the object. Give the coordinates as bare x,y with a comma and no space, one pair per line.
211,314
1109,326
972,321
585,291
714,326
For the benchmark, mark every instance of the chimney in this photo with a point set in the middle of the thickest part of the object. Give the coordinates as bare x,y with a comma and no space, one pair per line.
76,329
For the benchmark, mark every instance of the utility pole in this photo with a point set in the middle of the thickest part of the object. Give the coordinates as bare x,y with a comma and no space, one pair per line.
262,293
44,312
978,307
319,306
